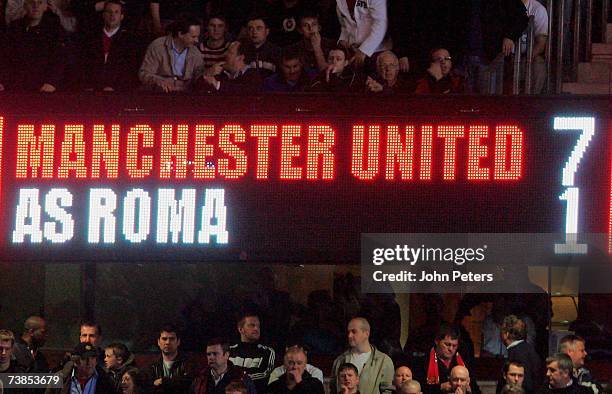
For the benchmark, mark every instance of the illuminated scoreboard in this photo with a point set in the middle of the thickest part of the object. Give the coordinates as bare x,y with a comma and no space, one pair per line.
277,183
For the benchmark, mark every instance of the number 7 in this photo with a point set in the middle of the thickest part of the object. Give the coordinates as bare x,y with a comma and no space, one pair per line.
572,193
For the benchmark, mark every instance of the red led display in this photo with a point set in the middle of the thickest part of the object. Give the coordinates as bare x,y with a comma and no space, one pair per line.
393,152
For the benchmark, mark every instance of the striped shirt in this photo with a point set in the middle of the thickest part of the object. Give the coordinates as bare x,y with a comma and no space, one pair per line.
210,55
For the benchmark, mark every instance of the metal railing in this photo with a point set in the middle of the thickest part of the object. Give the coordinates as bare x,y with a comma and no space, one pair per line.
581,24
528,63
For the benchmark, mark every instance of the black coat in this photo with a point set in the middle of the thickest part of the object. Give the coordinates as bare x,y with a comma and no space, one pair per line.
35,55
308,385
120,69
178,383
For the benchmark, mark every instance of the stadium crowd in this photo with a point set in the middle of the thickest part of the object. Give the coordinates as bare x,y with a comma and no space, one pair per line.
251,366
257,46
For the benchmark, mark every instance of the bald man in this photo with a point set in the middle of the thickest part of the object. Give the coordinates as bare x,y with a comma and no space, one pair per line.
460,380
27,348
375,367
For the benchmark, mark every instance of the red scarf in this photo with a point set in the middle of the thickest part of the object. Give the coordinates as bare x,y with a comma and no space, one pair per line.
433,374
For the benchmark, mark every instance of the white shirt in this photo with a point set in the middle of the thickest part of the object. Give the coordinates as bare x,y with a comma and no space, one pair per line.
367,29
360,359
540,21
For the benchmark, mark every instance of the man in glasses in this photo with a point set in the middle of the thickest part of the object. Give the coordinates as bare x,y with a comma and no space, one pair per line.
439,78
296,379
311,369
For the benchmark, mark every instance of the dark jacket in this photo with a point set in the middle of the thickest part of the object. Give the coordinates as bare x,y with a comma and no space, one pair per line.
248,82
405,84
574,388
203,384
256,359
25,360
308,385
103,383
584,378
120,68
348,82
420,374
450,83
526,355
116,375
264,59
277,83
35,55
499,19
179,380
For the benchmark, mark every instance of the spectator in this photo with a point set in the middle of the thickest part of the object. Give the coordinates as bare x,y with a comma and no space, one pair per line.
338,76
257,359
559,374
312,48
402,374
490,30
260,54
409,387
236,13
232,76
15,9
132,382
283,16
311,369
434,368
117,360
173,63
388,80
215,46
574,347
296,379
219,372
292,76
35,50
363,27
84,377
460,380
110,55
7,363
513,373
91,332
172,372
540,32
27,348
440,78
514,334
348,379
374,368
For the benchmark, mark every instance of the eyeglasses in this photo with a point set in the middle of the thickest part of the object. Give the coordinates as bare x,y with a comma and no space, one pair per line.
442,59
